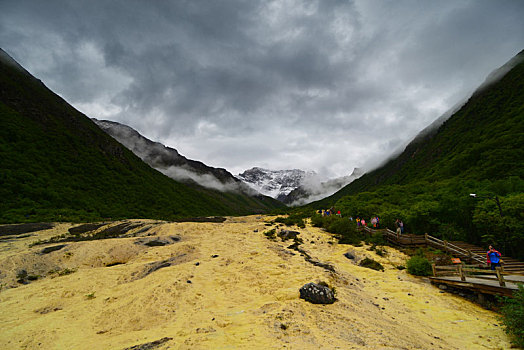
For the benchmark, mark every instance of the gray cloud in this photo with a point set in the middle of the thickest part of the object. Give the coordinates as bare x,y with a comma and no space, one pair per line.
320,85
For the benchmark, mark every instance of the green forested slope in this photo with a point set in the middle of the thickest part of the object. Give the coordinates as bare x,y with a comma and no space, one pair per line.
480,149
56,164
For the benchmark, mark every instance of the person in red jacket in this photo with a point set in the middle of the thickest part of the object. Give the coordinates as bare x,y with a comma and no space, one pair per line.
493,257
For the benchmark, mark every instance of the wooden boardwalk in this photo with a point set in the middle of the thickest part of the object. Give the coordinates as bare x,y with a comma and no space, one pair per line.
484,286
476,277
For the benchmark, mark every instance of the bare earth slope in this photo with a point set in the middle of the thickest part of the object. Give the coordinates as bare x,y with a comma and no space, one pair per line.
223,286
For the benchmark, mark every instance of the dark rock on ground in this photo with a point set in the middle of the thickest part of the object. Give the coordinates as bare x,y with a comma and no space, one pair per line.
157,241
317,294
349,256
151,345
117,230
18,229
217,219
48,309
157,265
78,230
54,248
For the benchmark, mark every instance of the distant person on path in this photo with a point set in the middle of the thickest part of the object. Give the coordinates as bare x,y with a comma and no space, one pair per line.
493,257
401,225
374,222
397,225
358,221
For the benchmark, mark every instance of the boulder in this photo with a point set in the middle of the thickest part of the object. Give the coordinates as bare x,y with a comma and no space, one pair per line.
317,294
349,256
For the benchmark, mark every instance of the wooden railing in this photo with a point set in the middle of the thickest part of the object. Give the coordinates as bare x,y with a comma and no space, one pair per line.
435,242
474,271
428,241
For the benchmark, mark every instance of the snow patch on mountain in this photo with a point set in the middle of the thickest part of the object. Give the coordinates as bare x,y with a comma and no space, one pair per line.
274,183
313,189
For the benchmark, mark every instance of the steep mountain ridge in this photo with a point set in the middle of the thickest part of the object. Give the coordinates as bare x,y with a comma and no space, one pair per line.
484,139
58,165
171,163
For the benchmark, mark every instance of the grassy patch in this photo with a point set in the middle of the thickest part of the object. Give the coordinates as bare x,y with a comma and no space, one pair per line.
270,234
371,264
419,266
513,316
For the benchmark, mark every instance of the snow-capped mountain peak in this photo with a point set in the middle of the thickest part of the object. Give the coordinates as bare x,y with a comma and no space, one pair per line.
274,183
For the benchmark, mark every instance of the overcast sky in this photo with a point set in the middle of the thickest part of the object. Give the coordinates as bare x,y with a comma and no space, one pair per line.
316,85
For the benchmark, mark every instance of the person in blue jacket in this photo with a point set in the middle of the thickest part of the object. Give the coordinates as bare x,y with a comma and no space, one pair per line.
493,257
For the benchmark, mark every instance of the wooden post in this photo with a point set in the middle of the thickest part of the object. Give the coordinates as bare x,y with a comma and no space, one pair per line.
434,270
446,245
426,239
461,273
500,277
481,298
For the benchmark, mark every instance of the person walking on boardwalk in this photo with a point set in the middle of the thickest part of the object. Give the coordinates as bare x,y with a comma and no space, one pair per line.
493,257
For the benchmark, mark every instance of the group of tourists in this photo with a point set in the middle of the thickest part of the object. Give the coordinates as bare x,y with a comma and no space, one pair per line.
328,212
373,222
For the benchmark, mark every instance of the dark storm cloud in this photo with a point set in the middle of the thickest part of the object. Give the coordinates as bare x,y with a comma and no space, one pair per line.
285,84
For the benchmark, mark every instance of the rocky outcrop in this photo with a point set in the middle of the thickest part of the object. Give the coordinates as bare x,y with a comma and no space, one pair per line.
317,293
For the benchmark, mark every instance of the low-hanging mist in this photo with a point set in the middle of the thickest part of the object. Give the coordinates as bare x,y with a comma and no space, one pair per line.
168,161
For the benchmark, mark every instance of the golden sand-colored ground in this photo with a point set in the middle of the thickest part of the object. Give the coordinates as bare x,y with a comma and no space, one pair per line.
247,297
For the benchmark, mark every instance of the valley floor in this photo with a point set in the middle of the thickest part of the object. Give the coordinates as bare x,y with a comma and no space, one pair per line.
225,286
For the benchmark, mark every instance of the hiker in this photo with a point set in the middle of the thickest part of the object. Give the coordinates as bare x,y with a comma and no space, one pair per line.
378,222
374,222
397,225
358,221
493,258
401,225
363,222
339,213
